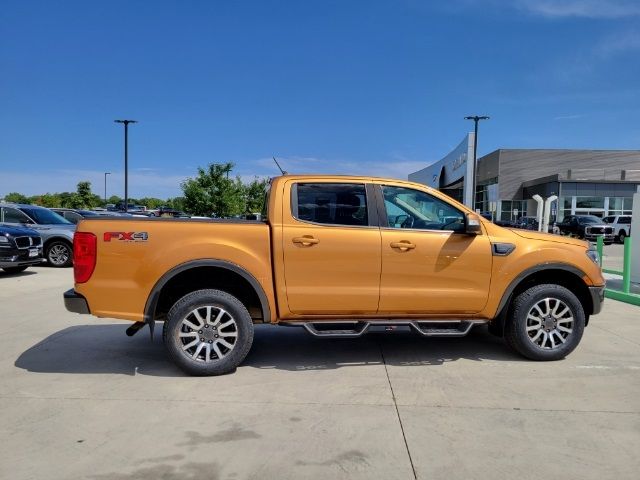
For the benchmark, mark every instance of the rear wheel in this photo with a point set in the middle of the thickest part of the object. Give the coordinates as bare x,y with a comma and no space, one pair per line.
59,254
14,269
208,332
547,322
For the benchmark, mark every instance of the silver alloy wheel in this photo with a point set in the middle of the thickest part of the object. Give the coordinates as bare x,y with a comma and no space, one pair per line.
208,333
59,254
549,323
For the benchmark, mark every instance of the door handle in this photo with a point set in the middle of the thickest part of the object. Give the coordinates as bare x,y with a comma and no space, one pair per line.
404,245
307,240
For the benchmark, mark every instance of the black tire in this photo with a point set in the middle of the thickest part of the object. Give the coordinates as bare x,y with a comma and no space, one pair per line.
197,360
15,269
621,236
524,311
59,254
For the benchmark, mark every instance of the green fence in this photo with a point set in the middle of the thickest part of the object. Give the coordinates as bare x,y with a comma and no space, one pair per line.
625,294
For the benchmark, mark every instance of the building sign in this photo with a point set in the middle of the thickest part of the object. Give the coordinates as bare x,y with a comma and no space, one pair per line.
449,170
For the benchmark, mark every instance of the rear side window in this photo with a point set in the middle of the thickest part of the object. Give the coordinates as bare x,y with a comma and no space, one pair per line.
330,203
13,215
625,220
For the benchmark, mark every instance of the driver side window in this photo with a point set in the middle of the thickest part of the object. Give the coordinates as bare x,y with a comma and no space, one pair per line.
408,208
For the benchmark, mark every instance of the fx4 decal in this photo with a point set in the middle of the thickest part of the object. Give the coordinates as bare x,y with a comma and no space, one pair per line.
126,236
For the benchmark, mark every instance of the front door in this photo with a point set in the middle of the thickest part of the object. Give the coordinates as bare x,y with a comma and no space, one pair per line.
429,265
331,246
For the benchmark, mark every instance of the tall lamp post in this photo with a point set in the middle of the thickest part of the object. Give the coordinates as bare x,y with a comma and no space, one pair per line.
105,188
475,119
126,160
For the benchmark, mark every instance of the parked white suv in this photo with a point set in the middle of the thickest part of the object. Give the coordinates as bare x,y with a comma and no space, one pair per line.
621,226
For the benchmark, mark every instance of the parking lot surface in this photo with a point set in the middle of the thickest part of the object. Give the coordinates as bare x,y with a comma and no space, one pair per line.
80,399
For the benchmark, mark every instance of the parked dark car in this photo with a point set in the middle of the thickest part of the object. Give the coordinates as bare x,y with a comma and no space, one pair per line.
527,223
19,248
74,215
587,227
56,232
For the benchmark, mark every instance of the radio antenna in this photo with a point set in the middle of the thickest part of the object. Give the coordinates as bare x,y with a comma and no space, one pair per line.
279,167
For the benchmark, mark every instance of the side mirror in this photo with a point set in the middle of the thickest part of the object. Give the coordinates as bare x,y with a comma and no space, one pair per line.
472,224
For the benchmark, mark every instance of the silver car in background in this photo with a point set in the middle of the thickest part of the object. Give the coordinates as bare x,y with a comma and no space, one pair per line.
56,232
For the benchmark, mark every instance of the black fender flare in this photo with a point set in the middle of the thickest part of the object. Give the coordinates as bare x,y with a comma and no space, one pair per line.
529,271
152,300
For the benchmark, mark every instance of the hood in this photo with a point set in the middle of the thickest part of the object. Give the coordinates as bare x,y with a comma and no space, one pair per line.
549,237
16,231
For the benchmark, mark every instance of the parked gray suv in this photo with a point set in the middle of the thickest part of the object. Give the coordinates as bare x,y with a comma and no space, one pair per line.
56,232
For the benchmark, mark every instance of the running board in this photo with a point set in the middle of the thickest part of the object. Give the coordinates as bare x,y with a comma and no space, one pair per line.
451,328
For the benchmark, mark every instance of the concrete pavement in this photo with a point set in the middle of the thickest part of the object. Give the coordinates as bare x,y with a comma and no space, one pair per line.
80,399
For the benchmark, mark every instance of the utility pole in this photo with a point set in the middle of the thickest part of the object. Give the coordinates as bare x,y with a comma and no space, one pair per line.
105,188
126,160
475,119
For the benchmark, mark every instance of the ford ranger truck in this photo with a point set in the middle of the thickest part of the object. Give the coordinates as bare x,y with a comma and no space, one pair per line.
336,255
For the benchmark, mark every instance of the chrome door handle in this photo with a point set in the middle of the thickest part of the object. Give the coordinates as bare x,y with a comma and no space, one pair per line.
306,240
404,245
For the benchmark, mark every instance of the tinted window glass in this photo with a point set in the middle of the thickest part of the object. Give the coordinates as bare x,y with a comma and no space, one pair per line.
407,208
625,220
608,219
332,203
13,215
589,219
43,216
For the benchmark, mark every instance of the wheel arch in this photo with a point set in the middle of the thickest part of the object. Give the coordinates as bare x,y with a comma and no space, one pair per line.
562,274
202,274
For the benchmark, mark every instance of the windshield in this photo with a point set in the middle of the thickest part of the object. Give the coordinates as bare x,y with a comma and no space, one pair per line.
42,216
590,219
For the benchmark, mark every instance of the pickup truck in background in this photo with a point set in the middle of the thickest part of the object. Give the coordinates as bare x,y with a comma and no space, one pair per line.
621,226
587,227
336,255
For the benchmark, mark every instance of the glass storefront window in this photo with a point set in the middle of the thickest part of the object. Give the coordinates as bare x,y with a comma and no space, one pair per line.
589,202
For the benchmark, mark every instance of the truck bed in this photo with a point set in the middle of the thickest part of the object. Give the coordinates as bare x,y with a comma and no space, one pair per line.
135,253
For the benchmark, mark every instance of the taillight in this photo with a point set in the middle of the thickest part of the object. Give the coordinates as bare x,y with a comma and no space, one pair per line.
84,256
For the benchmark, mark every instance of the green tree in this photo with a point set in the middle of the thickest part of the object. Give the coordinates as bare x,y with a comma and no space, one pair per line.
254,195
212,191
151,202
85,197
15,197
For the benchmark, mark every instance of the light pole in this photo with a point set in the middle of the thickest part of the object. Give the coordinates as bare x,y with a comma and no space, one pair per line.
475,119
105,188
126,160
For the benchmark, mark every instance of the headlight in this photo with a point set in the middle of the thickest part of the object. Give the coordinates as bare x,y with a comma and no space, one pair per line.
593,255
4,240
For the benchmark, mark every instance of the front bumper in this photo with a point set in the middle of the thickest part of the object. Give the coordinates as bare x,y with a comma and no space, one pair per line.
597,298
76,303
607,237
19,257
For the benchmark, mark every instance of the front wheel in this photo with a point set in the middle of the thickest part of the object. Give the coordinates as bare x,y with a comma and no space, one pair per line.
208,332
621,236
59,254
547,322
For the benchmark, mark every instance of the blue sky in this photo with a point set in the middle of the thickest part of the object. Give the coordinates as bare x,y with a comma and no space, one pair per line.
366,87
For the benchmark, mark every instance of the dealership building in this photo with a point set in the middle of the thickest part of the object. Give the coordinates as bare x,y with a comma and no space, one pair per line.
587,182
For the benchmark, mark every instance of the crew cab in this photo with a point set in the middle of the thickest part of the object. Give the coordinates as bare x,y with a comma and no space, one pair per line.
337,256
587,227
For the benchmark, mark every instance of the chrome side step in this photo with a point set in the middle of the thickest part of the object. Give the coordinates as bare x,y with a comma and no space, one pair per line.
452,328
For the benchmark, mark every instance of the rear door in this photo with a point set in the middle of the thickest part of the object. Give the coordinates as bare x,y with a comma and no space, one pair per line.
331,245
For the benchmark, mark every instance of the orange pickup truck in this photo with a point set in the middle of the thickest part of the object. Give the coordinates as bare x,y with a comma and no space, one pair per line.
337,256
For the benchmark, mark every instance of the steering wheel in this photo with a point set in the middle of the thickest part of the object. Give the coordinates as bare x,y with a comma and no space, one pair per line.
407,222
